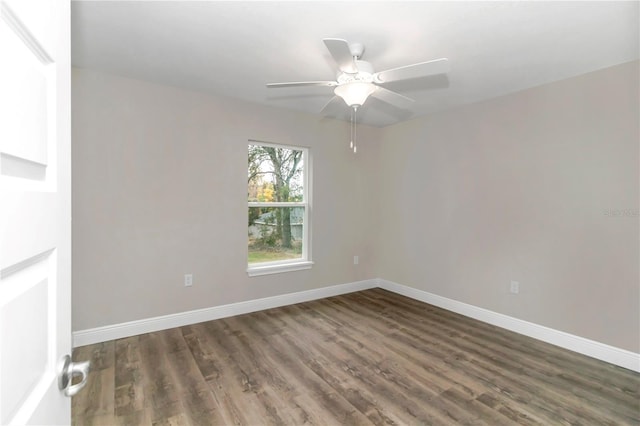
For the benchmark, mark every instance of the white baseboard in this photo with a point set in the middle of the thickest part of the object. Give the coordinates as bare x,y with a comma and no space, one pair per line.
610,354
133,328
601,351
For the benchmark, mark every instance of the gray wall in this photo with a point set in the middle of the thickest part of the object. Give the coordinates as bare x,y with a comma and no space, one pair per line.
518,188
159,190
457,203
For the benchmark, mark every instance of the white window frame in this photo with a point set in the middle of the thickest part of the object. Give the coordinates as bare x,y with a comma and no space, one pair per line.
288,265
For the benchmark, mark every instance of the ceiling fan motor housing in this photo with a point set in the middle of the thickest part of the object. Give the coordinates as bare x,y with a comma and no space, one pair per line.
364,74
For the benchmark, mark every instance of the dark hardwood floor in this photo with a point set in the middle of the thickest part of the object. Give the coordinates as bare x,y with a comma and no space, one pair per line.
371,357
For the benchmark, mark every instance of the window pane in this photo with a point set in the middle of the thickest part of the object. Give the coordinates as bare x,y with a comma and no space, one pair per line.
275,233
275,174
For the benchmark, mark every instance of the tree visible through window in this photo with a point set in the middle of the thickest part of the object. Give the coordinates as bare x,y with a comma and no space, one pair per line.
278,205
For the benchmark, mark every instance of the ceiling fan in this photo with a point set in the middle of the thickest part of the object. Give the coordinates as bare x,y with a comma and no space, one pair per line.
356,79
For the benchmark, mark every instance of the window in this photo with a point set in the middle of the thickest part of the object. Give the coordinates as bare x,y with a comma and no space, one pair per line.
278,206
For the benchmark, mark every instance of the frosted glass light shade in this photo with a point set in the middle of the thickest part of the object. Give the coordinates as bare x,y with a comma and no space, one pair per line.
355,93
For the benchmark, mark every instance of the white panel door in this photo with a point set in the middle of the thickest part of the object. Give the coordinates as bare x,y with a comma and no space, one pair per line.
35,210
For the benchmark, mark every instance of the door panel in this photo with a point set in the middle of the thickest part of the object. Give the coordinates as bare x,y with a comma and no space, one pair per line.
35,210
25,79
22,370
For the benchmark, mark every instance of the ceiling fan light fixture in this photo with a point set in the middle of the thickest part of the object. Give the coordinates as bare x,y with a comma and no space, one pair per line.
355,93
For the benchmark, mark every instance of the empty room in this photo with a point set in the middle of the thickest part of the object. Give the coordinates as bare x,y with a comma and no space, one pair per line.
320,213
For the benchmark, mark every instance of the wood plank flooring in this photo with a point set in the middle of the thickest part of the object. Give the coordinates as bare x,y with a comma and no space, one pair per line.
371,357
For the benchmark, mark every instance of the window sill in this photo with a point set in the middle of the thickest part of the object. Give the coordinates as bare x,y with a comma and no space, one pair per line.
254,271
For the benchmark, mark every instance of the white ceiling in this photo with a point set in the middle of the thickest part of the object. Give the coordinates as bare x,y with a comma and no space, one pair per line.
234,48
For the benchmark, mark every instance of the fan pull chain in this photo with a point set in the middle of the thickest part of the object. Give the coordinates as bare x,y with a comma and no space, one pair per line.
355,129
351,131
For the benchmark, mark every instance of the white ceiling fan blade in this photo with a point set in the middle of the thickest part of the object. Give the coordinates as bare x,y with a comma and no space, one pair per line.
341,53
302,83
422,69
392,98
330,105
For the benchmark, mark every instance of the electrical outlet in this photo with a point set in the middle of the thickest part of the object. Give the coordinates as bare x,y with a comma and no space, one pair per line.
188,280
355,260
515,287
